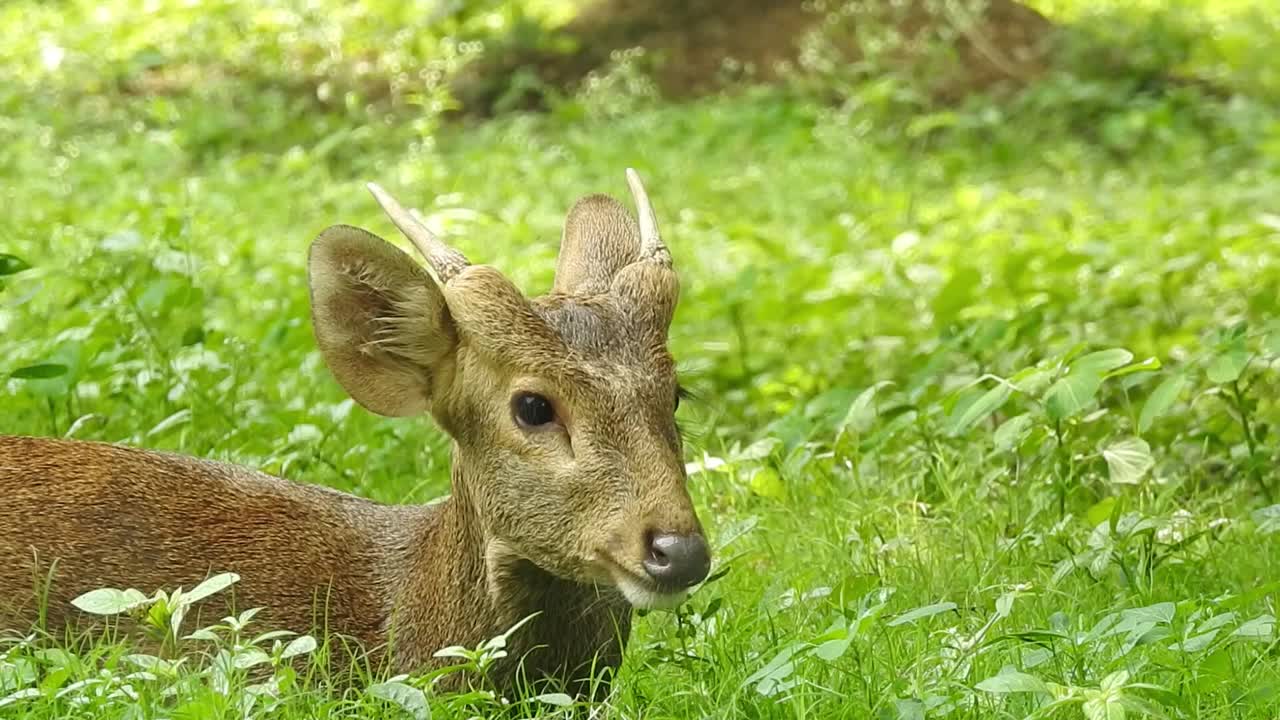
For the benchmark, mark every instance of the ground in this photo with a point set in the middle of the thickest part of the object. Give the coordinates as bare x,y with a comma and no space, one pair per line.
985,396
700,47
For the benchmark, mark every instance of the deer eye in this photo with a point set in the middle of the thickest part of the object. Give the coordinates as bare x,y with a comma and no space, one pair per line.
532,410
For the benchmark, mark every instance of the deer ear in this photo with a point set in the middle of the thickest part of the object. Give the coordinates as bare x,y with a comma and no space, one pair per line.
380,320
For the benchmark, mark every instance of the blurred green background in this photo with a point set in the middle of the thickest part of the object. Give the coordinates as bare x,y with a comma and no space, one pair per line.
979,302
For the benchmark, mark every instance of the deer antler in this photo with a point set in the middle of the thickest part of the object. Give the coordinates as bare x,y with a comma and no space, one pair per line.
651,246
445,260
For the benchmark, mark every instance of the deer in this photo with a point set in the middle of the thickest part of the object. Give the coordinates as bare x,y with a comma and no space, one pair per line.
568,505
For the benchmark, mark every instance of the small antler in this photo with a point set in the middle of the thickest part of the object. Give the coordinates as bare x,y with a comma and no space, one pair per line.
445,260
651,245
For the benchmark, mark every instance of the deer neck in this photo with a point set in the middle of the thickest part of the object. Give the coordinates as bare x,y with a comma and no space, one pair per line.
465,586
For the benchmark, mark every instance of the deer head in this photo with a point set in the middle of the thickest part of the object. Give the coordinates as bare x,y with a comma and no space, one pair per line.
561,407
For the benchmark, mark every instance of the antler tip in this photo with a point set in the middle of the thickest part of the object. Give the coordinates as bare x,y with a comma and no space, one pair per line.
651,245
446,260
633,180
384,199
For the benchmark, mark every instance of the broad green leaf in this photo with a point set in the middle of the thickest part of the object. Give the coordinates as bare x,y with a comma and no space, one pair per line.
1261,628
909,709
1128,460
833,649
177,614
771,678
957,293
1218,621
1141,707
214,584
1098,363
1013,682
1012,432
556,699
1064,568
1031,381
1267,519
304,434
1157,614
16,672
862,411
1004,604
921,613
758,450
271,635
1115,680
735,530
1196,643
192,335
110,601
1151,364
1100,510
1227,366
249,658
1103,707
12,264
1071,394
500,641
151,662
981,409
301,645
406,697
778,661
1162,398
712,608
1099,563
42,371
1147,636
766,482
1035,656
20,695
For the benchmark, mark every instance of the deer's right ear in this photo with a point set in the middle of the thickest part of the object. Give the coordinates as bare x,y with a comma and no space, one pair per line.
380,320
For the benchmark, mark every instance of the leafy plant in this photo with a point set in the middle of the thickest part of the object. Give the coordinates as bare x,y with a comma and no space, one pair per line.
985,393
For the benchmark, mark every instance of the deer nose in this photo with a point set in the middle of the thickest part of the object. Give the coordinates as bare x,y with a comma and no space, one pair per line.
677,561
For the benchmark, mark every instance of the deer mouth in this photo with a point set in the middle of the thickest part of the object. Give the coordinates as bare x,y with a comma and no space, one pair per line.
640,591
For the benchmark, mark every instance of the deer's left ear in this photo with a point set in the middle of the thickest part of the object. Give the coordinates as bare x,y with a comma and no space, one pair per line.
380,320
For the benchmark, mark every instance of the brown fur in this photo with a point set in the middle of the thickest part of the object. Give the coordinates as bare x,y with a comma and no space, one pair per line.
552,522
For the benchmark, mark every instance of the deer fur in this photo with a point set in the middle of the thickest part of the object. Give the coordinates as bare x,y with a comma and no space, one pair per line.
551,521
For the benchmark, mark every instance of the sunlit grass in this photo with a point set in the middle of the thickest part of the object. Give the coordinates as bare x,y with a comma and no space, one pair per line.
991,408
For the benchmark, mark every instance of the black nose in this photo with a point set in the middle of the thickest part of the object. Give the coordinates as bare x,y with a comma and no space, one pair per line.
677,561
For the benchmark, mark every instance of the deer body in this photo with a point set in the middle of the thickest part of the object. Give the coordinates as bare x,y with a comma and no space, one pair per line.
568,498
403,581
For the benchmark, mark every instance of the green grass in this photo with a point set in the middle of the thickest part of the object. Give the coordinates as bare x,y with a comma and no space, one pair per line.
990,398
